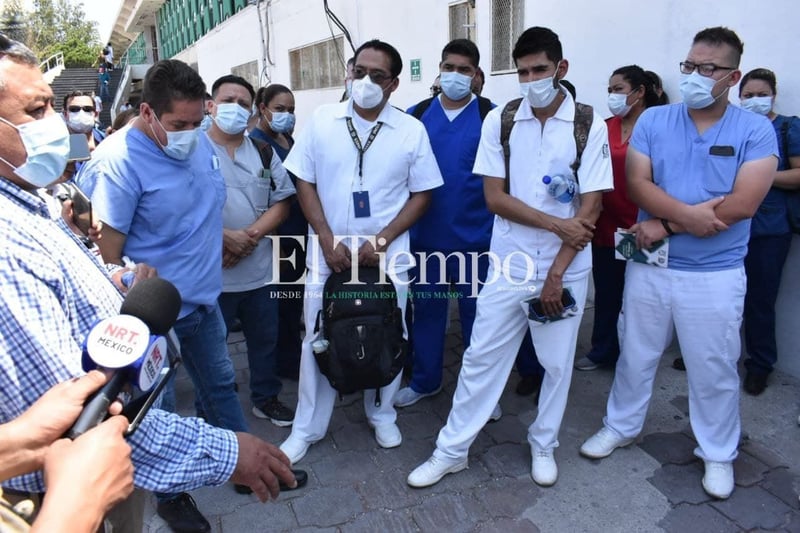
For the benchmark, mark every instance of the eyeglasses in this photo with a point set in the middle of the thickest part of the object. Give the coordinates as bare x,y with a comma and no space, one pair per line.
377,76
76,108
706,69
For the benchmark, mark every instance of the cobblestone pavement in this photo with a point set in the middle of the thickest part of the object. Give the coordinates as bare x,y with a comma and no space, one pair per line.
654,485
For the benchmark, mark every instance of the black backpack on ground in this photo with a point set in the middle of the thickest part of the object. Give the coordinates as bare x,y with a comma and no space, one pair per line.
364,329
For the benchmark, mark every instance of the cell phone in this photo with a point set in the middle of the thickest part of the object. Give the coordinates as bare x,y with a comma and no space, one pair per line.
137,407
81,205
536,310
78,147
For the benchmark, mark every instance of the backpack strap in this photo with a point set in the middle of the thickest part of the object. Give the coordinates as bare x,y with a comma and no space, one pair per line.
265,153
584,115
484,106
421,107
506,125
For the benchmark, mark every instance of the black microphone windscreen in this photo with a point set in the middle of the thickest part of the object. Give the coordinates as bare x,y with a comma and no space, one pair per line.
156,302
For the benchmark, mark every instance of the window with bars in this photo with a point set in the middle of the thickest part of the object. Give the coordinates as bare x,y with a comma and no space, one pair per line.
317,66
507,24
462,21
248,71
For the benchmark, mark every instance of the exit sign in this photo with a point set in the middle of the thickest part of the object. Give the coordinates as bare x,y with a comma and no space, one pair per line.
416,70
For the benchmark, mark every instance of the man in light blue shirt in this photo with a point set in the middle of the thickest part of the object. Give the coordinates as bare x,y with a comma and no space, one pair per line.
160,194
259,194
698,171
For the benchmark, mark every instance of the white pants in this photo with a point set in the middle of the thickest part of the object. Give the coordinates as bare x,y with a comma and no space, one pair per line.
316,397
705,309
500,324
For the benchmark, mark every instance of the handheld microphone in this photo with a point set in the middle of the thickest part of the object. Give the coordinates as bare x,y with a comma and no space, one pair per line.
131,345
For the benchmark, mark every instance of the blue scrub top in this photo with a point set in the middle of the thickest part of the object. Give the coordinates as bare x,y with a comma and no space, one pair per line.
170,210
684,167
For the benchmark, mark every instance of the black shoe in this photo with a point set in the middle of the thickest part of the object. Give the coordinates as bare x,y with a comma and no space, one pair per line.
755,383
677,364
529,385
274,411
181,514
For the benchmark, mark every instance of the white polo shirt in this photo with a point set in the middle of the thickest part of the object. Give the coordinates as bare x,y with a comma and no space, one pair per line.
535,153
398,162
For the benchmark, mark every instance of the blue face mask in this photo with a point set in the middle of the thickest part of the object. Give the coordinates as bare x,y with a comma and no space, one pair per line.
282,122
206,123
180,144
232,118
46,142
696,90
758,104
454,85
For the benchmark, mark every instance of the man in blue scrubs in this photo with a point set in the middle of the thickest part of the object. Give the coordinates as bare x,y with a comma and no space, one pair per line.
451,240
698,171
160,194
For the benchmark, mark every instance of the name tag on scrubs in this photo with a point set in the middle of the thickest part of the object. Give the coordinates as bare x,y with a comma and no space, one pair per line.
361,204
727,151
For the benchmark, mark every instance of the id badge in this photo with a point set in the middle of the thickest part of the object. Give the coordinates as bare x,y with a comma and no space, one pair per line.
361,203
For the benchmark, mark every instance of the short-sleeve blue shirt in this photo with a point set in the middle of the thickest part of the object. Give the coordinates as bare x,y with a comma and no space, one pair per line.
170,210
684,166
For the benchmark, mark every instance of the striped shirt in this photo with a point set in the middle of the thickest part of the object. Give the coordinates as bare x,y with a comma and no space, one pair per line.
52,291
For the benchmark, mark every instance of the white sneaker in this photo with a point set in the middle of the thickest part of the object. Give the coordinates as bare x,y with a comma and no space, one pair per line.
585,364
388,436
497,414
602,443
295,448
544,470
408,396
718,479
433,470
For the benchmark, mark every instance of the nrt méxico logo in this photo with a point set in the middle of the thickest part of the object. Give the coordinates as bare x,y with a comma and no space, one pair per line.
467,264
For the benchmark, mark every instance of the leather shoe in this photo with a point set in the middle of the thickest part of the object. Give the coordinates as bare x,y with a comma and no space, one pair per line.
755,383
529,385
295,448
718,479
433,470
301,476
544,470
388,435
181,514
602,443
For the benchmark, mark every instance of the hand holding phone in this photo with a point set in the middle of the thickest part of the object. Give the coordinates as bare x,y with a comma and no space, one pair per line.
537,313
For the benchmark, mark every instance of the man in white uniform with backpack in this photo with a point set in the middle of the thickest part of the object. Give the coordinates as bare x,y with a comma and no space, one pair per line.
365,169
540,247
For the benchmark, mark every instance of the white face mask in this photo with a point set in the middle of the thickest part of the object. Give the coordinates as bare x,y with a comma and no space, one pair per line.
618,104
46,142
282,122
540,93
80,122
348,88
366,94
455,86
232,118
180,144
758,104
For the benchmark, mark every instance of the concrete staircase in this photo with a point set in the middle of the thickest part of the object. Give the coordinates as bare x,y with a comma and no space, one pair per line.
84,79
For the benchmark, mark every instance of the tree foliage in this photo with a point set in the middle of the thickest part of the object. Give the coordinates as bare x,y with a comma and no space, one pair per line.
54,26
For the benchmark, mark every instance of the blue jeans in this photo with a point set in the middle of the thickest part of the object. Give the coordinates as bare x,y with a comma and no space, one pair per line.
608,274
763,266
258,312
205,357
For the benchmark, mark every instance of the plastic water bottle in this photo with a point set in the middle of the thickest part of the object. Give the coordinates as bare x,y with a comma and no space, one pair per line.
562,188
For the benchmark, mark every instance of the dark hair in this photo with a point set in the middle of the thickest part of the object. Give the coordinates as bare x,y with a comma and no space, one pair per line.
719,35
169,80
351,61
236,80
75,94
266,94
655,79
16,52
123,117
395,61
535,40
463,47
763,74
637,77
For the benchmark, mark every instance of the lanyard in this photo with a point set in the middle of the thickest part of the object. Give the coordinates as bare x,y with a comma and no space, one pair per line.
357,142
